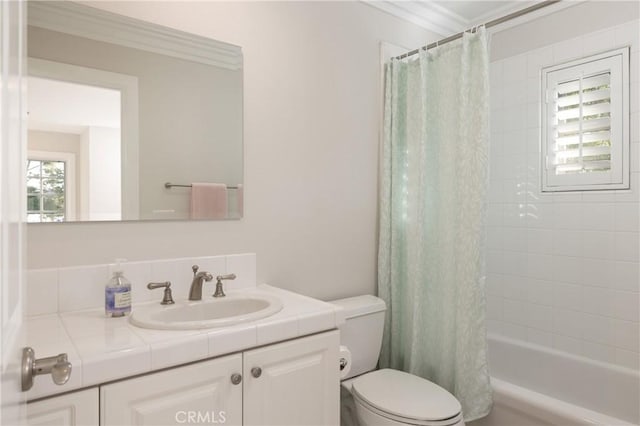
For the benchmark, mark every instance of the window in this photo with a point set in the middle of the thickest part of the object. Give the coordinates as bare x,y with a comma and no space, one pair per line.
46,189
585,124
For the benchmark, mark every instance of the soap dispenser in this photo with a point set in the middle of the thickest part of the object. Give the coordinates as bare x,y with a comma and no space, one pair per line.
117,293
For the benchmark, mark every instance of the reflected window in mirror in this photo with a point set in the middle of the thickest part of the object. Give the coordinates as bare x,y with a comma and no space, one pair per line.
46,189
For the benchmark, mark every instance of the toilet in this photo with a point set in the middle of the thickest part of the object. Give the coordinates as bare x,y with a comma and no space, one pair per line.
385,397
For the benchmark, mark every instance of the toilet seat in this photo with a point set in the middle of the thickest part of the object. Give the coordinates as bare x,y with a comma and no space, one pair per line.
406,398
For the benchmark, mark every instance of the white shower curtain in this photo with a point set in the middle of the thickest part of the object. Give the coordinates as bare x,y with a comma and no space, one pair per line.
432,213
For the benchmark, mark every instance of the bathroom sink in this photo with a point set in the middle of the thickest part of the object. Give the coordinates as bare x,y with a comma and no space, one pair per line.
209,313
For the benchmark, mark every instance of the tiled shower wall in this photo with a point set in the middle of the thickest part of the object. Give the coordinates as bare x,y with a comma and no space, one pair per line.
562,268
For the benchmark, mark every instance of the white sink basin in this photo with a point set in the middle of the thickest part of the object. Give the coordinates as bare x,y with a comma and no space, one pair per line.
208,313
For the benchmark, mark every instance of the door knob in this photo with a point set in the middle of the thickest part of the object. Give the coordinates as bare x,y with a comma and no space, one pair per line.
58,366
236,378
256,372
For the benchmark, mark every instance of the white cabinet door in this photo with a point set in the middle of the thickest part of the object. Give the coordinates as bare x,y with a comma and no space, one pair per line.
72,409
298,385
200,393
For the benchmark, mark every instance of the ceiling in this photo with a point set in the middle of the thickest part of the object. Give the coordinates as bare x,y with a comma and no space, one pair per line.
59,106
446,18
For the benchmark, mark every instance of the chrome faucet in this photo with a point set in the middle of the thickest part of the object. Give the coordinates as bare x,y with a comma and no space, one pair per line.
195,292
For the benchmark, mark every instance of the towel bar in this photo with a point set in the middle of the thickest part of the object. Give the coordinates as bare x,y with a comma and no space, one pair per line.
170,185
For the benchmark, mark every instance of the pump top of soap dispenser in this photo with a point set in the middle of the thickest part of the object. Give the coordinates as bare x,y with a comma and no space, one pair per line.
118,274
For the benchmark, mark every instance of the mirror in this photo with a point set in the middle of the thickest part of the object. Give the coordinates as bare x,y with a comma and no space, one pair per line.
130,120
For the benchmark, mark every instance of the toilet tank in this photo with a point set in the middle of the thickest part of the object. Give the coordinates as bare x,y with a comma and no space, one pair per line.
362,331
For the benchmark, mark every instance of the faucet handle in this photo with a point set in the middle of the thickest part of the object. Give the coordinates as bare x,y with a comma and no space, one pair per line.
195,268
226,277
167,298
219,291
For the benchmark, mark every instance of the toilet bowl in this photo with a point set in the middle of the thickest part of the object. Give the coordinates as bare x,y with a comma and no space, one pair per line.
385,397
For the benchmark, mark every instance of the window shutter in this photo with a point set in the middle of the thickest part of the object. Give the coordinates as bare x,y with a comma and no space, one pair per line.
585,141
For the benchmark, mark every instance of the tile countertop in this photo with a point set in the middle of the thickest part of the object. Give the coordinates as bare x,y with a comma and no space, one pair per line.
105,349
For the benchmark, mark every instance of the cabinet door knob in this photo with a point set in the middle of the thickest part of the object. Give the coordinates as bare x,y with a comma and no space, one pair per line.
236,378
256,372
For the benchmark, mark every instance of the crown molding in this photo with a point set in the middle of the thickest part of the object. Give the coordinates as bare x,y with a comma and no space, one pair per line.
422,13
95,24
444,22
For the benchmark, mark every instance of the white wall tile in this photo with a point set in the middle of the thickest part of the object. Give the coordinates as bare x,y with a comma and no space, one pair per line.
494,284
82,287
540,266
539,317
579,290
627,217
513,310
626,335
598,244
567,242
515,69
540,240
540,291
597,272
627,246
514,239
598,329
623,305
567,296
626,276
514,287
568,269
514,263
42,291
567,322
538,59
569,215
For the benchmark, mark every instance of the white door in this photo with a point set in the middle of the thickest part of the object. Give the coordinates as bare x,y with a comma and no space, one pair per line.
71,409
200,393
298,382
12,207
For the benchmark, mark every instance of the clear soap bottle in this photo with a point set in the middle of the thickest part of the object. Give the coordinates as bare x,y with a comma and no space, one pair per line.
117,294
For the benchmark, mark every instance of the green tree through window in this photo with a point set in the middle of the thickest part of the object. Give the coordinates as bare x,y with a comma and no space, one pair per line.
45,191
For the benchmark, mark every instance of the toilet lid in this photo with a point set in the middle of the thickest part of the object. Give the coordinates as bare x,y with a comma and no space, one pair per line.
406,395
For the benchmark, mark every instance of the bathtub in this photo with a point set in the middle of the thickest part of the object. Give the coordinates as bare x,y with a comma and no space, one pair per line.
535,386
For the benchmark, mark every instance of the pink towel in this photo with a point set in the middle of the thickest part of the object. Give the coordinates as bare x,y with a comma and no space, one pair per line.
208,201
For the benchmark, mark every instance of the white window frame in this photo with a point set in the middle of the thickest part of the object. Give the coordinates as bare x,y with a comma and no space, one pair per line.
615,62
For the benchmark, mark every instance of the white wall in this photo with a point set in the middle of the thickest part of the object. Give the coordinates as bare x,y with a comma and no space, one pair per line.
311,116
562,268
103,147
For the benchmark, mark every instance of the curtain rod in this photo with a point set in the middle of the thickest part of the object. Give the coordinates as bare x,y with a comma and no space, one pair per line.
489,24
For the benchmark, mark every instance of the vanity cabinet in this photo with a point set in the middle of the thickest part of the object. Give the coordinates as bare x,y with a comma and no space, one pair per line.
72,409
200,393
290,383
293,383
